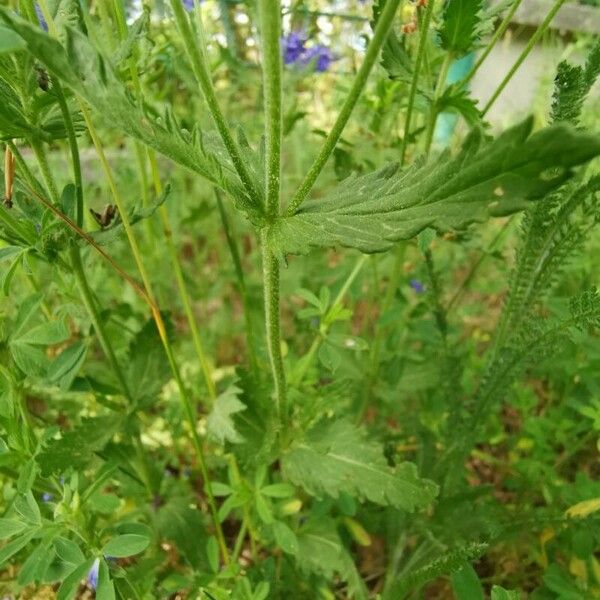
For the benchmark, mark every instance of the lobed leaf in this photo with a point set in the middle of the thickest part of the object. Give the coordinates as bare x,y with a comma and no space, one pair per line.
371,212
336,457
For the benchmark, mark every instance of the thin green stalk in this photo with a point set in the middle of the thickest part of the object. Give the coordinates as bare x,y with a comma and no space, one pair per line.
270,265
412,94
184,395
532,42
197,56
90,305
270,26
374,362
497,35
305,362
181,285
241,283
166,225
439,88
382,28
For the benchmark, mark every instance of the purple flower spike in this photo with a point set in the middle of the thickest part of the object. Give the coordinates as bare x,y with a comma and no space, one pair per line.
40,16
416,285
292,47
92,577
188,5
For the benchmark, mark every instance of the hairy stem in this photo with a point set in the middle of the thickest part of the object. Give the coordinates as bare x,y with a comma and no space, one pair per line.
272,321
270,25
382,28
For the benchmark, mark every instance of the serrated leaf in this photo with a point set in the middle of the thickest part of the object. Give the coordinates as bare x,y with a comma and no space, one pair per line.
220,420
105,589
336,457
14,546
466,584
460,19
90,75
76,447
372,212
321,551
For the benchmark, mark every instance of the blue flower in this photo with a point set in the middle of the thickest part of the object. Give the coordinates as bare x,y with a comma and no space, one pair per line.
416,285
292,47
47,497
92,576
320,55
40,16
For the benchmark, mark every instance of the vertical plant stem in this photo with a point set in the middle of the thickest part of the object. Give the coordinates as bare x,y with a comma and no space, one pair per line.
382,28
241,283
184,395
272,322
270,25
433,112
181,285
197,57
532,42
493,41
412,94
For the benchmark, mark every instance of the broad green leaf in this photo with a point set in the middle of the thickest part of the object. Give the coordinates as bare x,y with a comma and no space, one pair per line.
9,252
68,551
27,475
182,525
278,490
75,448
46,334
337,457
286,539
128,544
458,32
220,422
320,550
27,507
10,527
499,593
372,212
30,359
10,41
466,584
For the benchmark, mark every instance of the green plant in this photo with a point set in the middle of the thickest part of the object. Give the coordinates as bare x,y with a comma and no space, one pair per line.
148,474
